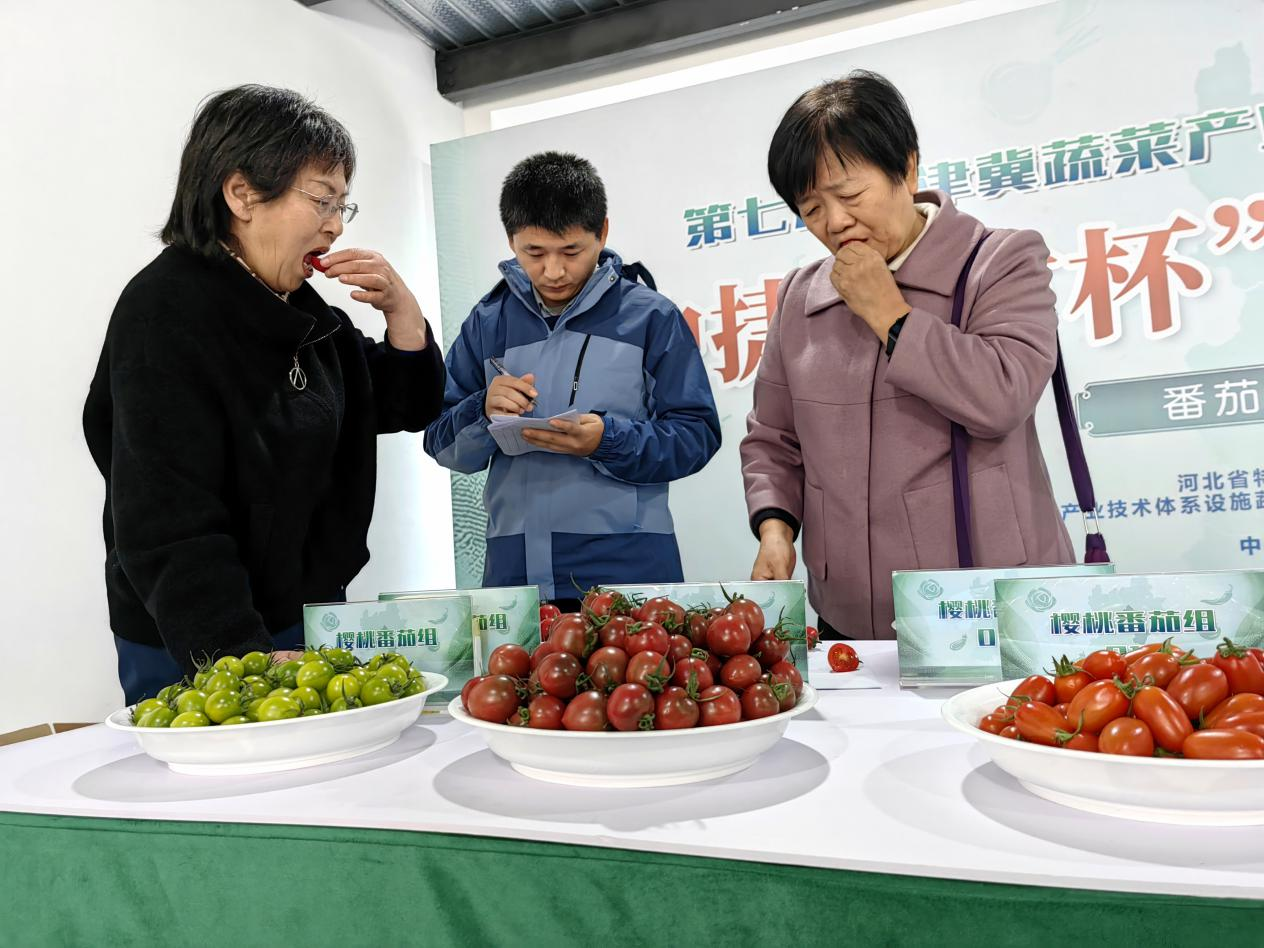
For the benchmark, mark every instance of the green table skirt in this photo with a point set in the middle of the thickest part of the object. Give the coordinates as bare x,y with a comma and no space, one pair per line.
99,882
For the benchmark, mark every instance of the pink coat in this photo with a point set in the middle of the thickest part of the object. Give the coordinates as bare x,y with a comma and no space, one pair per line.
856,446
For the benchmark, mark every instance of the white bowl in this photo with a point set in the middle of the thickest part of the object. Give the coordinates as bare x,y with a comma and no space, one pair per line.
270,746
1158,790
634,758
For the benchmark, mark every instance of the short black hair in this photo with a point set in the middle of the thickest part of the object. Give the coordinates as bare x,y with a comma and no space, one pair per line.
860,118
269,135
554,191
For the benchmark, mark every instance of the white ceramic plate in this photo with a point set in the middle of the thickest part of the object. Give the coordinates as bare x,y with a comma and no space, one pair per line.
270,746
635,758
1158,790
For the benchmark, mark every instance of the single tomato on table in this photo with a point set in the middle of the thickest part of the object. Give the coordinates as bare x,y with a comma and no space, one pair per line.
843,658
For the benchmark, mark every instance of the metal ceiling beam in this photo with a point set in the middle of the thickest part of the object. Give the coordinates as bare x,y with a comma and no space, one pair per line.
616,37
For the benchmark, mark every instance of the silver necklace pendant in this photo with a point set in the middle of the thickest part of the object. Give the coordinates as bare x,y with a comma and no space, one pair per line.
298,378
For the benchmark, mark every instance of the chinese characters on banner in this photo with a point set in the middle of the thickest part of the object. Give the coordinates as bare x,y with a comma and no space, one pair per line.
1111,264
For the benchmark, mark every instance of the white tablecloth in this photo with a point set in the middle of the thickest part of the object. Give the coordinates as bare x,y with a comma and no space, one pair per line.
869,780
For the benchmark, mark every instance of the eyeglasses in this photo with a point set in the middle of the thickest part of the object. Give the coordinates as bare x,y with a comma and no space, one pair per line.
327,205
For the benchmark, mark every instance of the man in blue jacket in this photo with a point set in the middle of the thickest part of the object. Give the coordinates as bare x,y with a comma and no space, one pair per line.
572,329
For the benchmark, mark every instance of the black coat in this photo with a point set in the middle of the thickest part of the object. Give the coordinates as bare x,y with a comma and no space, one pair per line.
232,498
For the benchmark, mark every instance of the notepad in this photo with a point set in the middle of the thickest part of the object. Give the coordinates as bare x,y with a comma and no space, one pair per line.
507,431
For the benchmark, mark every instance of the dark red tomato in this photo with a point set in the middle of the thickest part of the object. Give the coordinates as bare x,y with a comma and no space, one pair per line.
1084,741
607,668
1041,724
696,667
1127,737
728,635
1199,688
662,611
1166,719
494,698
1068,680
770,648
759,701
571,634
719,705
740,672
696,627
631,708
545,712
586,713
1036,688
1012,733
842,658
992,723
1232,706
548,613
680,648
1223,745
749,612
714,663
511,660
1258,653
600,603
648,637
466,689
791,673
674,710
1245,674
783,688
541,652
558,675
1160,667
614,631
1096,706
651,669
813,637
1104,665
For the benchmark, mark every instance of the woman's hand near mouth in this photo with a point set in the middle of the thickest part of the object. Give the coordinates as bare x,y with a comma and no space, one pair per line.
382,288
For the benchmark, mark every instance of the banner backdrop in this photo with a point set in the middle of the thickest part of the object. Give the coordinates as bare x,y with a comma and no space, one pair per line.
1130,133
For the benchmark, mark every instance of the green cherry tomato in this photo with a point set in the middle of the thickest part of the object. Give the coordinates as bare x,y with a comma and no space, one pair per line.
191,701
158,717
278,708
311,655
415,687
232,664
379,690
255,663
199,680
236,719
311,712
222,680
257,686
361,673
393,672
287,673
190,719
223,705
308,697
340,658
279,691
315,674
149,704
171,692
345,704
342,686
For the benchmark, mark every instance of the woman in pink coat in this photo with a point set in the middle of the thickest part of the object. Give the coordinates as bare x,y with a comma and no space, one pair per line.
863,372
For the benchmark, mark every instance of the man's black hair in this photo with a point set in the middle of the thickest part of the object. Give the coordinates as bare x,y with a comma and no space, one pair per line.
554,191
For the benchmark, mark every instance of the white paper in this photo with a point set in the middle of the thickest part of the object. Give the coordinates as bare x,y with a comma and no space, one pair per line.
507,431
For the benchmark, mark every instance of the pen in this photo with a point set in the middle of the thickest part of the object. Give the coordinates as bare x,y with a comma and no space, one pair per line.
501,370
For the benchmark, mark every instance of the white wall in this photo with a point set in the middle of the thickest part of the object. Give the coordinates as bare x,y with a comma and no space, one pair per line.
95,102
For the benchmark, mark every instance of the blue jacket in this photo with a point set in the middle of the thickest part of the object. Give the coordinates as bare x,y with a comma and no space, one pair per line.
620,349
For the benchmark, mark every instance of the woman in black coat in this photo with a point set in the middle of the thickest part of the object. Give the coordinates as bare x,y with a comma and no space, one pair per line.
234,414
